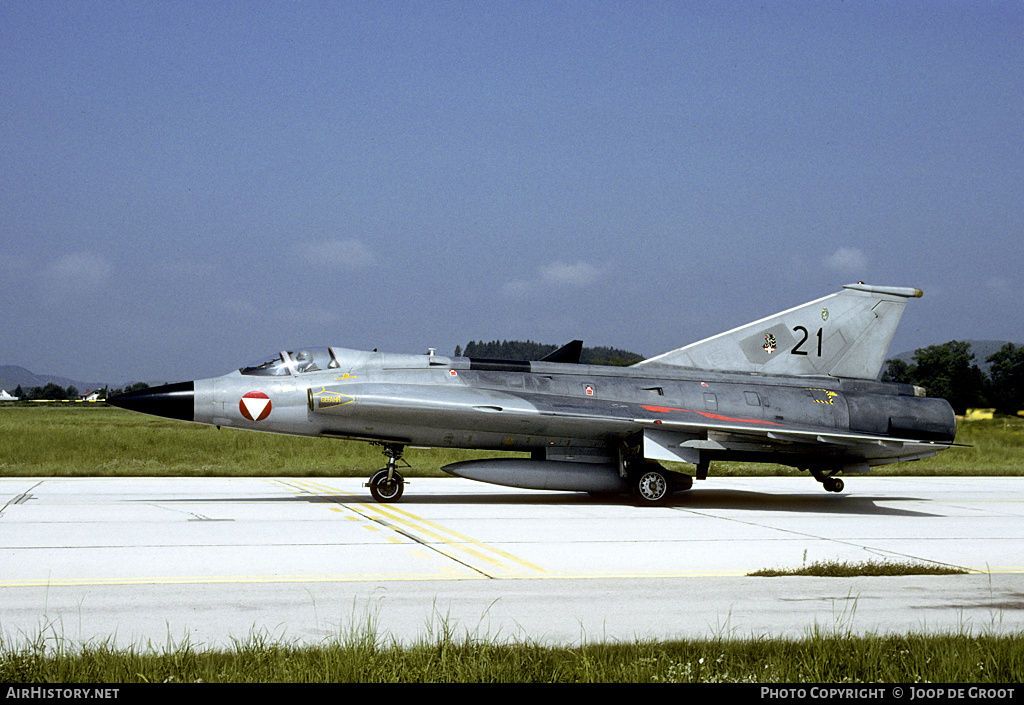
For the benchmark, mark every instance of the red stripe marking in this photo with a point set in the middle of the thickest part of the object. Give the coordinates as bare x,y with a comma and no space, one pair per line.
708,414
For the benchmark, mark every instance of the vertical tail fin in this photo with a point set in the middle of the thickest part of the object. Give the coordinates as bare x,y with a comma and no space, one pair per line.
846,334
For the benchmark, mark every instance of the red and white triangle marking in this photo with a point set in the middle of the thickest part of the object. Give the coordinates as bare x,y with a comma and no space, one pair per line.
255,406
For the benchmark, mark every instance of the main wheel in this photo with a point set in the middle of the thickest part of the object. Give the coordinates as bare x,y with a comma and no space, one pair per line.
652,486
385,490
833,484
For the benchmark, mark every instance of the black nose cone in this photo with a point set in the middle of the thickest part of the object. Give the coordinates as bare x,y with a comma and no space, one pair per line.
174,401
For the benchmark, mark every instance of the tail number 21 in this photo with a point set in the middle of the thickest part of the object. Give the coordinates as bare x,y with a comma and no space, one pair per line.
797,349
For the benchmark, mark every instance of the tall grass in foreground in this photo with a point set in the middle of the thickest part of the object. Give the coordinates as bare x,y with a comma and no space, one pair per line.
364,657
98,440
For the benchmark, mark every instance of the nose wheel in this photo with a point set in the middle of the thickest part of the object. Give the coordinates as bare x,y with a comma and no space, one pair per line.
387,484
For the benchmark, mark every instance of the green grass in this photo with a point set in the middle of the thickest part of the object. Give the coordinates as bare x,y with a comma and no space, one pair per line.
822,656
843,569
995,447
69,440
63,440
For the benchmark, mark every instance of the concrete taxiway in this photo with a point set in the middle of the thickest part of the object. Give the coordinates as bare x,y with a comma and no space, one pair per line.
212,561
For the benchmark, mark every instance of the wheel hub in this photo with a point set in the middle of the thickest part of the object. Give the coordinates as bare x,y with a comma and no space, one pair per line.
653,486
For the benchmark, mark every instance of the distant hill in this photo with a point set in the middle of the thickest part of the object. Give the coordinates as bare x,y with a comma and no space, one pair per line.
12,375
981,349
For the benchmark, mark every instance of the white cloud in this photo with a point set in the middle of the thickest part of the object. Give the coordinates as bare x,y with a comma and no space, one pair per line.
847,259
81,266
240,308
76,274
577,274
555,275
349,253
999,285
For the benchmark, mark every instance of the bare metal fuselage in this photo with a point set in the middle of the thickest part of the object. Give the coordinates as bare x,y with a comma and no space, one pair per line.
568,410
595,428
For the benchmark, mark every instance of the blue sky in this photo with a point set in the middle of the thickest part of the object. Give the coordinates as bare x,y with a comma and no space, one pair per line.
187,187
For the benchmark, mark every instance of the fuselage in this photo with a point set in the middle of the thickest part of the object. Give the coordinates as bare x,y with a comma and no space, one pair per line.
796,388
562,411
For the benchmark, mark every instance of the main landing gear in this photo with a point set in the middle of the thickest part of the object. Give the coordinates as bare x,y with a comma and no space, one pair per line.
830,482
653,483
387,484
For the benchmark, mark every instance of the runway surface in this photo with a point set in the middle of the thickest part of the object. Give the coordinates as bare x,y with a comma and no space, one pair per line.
153,562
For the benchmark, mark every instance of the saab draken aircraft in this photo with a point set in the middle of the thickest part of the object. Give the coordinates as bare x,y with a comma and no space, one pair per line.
797,388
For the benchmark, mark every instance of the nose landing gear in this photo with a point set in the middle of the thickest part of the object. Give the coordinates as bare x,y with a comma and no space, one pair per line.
387,484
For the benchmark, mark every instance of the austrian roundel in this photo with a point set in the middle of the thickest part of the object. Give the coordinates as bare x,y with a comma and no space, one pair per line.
255,406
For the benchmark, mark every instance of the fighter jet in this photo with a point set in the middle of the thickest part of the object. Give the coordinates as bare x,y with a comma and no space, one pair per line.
797,388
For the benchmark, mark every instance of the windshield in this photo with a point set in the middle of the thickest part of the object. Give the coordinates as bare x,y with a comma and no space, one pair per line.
298,362
275,367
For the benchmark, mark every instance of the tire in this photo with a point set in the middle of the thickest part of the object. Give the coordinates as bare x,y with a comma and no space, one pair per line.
834,484
385,491
680,482
652,486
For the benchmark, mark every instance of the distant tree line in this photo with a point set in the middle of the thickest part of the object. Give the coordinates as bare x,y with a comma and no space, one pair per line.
609,356
949,371
49,391
107,393
55,392
529,350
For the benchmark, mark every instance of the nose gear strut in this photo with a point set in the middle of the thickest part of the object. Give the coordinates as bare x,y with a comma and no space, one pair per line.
387,484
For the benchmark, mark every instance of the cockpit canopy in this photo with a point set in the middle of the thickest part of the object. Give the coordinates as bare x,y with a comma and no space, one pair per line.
294,362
